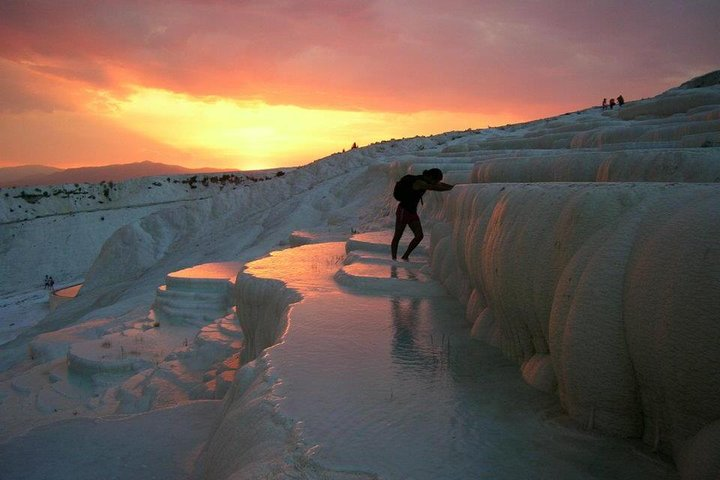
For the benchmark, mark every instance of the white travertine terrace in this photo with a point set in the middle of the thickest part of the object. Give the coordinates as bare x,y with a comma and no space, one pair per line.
604,292
651,165
613,277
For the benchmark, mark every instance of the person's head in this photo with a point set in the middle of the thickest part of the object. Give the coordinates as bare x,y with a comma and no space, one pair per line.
434,175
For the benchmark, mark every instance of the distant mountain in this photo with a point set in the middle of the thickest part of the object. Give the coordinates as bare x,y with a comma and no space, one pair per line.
9,175
115,173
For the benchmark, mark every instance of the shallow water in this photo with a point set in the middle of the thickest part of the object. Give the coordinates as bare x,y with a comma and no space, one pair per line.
394,385
217,270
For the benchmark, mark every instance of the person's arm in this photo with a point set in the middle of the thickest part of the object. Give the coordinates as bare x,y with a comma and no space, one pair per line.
442,187
420,184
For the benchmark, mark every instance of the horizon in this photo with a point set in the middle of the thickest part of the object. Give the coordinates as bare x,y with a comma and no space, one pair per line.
247,87
119,164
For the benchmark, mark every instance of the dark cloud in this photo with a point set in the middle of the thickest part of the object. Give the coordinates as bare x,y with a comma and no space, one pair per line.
23,91
383,54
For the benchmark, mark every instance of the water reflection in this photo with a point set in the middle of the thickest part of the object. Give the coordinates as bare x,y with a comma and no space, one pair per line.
69,292
409,348
216,270
305,268
409,274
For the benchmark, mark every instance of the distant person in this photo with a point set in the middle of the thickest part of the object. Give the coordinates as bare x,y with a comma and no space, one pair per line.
620,101
47,282
409,191
51,283
612,103
604,104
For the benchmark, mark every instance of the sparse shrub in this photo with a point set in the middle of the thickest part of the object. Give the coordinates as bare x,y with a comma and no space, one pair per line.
29,197
280,173
106,344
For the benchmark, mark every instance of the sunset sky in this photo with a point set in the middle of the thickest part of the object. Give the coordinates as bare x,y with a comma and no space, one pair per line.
266,83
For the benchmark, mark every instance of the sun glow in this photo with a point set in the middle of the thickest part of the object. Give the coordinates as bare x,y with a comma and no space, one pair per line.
254,134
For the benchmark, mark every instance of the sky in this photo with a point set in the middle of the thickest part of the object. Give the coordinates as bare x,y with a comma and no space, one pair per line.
259,84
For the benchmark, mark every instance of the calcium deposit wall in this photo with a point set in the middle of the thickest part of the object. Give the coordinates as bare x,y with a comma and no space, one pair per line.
645,165
608,294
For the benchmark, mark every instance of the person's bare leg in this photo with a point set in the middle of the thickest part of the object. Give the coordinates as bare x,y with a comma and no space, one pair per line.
399,229
416,228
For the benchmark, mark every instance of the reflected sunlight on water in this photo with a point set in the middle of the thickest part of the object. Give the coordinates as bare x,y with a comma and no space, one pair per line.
69,292
220,270
305,268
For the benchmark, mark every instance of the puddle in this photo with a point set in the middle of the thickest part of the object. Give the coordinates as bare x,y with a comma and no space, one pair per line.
394,385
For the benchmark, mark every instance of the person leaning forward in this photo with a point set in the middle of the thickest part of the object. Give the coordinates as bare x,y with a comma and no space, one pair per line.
415,187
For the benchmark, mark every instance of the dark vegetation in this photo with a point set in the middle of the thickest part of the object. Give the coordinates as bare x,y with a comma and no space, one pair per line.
109,189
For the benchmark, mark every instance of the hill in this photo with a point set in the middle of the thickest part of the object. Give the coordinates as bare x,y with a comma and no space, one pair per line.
39,175
9,176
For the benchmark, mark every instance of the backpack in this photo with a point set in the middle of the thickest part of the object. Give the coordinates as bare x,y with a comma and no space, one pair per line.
403,188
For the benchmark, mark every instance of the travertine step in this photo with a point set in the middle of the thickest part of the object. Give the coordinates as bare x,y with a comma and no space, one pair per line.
164,292
199,315
189,303
204,285
196,295
380,242
359,256
390,279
